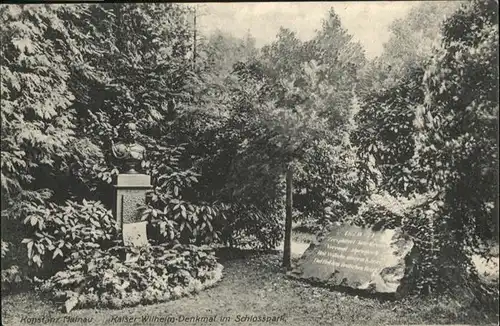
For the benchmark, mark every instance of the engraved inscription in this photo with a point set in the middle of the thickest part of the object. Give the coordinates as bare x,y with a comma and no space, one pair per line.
352,253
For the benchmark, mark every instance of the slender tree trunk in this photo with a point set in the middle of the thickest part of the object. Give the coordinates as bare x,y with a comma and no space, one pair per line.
287,252
496,210
496,216
118,27
194,37
497,222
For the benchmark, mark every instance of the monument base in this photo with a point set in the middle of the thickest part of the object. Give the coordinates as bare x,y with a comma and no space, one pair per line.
130,193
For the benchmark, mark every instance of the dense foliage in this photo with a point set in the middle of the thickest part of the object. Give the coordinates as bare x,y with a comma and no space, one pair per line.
457,132
406,140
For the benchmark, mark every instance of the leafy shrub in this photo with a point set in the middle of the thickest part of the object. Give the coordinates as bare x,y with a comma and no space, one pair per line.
386,211
15,271
243,176
12,277
246,227
39,235
128,276
385,134
174,208
56,231
15,266
456,137
186,206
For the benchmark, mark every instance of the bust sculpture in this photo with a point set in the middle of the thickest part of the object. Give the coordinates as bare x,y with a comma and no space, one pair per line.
128,150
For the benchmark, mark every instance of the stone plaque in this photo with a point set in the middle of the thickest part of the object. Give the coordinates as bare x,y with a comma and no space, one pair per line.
358,258
135,234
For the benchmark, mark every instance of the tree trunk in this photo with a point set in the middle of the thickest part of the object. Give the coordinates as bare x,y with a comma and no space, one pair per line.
497,219
194,36
287,252
496,211
120,44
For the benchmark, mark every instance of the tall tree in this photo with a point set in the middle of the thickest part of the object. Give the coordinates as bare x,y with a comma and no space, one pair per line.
314,84
411,42
38,125
457,125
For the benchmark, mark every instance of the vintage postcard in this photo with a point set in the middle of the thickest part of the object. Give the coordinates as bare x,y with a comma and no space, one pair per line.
249,163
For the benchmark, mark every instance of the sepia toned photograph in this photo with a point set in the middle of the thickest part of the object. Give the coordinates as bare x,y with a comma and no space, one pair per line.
250,163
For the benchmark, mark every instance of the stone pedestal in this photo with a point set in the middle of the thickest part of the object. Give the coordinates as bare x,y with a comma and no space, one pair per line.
130,192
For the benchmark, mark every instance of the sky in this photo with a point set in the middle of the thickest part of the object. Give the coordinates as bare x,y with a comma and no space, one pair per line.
368,22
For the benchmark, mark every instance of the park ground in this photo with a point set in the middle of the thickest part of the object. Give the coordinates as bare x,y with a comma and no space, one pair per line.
255,285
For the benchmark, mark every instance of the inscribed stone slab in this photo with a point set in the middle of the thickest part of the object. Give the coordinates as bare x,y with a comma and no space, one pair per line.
356,257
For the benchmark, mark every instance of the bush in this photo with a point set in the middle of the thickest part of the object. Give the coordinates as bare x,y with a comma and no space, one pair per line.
195,208
434,133
12,277
247,227
175,208
49,233
57,231
127,276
